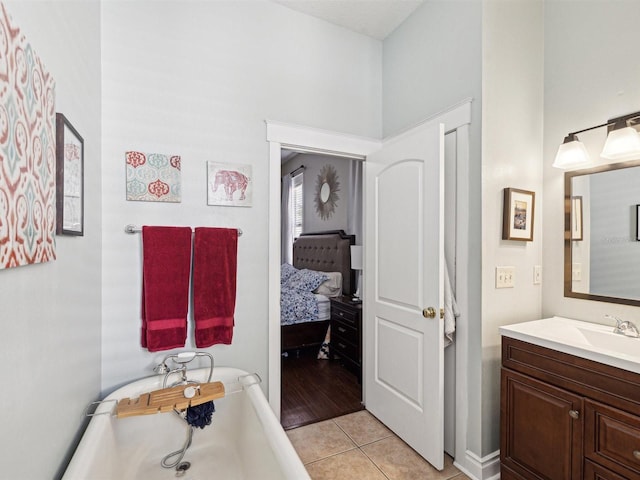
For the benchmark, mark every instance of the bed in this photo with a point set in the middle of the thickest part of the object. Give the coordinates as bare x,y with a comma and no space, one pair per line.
319,252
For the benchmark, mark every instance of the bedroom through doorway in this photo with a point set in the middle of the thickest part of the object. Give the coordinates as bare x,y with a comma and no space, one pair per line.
321,262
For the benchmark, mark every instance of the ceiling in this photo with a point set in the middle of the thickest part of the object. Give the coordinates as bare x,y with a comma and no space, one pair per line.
374,18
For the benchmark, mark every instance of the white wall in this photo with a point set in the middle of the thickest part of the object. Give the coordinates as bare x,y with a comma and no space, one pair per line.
591,75
51,311
199,79
512,127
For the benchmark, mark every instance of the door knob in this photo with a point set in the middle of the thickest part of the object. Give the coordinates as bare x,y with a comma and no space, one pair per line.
429,312
574,414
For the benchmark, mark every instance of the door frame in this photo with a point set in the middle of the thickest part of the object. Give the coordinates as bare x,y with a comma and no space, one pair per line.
279,134
310,140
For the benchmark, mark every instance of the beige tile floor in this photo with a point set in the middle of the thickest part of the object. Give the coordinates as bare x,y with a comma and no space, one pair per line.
358,447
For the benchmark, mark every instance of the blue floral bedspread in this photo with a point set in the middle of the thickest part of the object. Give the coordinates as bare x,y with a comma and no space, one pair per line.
297,306
297,302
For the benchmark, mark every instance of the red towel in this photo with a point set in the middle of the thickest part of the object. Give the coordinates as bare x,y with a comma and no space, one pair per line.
214,284
165,286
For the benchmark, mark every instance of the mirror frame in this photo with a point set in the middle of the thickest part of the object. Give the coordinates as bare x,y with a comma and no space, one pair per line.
568,176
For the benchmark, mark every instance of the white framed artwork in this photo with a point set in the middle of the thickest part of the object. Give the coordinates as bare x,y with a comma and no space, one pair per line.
229,184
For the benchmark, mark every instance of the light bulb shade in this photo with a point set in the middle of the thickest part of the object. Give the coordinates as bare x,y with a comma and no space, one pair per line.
356,257
622,144
571,153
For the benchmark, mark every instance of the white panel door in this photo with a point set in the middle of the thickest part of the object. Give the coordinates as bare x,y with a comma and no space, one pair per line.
404,261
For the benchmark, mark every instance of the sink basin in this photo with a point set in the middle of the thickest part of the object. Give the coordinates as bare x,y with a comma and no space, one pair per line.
611,341
584,339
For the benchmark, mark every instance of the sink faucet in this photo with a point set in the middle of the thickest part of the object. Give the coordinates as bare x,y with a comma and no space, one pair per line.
624,327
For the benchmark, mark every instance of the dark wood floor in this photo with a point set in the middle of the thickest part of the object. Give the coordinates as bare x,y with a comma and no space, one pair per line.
315,390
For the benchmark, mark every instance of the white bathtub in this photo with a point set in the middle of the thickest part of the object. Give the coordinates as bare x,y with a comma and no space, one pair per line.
244,441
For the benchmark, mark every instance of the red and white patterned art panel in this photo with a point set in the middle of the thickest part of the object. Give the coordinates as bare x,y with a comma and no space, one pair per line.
27,152
153,177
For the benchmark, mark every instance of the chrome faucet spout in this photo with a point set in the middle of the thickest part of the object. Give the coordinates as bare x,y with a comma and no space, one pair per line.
624,327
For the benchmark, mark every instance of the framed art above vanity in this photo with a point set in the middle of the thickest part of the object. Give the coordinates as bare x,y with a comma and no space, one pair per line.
601,232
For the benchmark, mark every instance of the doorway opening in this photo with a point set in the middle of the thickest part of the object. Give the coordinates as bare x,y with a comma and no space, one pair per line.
321,334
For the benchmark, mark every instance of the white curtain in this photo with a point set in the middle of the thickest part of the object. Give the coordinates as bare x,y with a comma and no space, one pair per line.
285,221
354,215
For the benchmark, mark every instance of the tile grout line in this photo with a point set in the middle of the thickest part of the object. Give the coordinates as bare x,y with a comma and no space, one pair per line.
359,447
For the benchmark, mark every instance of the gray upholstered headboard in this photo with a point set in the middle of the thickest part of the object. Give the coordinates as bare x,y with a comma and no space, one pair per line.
327,252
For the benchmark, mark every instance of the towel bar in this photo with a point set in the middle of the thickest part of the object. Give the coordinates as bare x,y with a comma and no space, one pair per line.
133,229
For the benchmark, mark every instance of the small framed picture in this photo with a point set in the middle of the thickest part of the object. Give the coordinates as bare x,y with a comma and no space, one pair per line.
69,178
229,184
638,223
576,218
518,214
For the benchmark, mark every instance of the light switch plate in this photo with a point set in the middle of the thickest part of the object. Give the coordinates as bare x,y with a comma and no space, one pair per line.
576,272
537,274
505,277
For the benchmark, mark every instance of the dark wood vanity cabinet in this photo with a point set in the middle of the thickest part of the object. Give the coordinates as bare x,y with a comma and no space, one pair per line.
540,437
563,417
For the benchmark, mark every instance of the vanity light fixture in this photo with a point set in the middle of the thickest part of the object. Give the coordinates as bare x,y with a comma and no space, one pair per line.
571,153
623,143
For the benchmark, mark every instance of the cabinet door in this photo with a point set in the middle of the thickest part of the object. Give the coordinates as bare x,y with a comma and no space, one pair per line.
541,429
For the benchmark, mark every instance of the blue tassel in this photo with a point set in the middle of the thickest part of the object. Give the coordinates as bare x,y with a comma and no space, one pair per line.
200,415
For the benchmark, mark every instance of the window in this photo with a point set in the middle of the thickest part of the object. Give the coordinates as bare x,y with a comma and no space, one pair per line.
297,205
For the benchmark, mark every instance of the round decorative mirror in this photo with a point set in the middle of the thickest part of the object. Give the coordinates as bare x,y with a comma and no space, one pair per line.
325,191
326,194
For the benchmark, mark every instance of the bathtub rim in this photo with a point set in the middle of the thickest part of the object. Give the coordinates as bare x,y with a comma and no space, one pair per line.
279,442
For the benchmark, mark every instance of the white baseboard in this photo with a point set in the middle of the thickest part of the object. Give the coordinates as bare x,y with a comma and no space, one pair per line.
485,468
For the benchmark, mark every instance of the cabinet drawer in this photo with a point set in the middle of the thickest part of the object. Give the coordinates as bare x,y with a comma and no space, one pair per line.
342,331
612,439
348,316
345,349
593,471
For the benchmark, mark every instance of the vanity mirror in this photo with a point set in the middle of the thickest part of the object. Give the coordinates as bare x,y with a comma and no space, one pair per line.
601,246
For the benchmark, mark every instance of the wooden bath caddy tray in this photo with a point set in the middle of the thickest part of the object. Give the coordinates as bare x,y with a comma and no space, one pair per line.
168,399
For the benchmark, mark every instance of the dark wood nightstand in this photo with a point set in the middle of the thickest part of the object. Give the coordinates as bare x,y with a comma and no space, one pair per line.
346,333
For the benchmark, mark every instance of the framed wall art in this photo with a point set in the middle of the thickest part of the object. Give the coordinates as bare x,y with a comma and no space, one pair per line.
229,184
576,218
518,214
153,177
638,223
69,178
27,151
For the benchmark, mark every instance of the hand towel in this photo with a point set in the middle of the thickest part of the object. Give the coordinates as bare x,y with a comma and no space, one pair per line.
214,285
166,266
450,310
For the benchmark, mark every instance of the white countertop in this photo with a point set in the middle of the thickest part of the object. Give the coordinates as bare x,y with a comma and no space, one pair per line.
583,339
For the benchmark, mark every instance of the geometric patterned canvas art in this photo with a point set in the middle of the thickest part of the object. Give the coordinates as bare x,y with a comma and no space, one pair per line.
153,177
27,152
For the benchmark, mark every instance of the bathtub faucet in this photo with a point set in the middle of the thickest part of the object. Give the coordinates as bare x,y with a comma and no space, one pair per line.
624,327
181,360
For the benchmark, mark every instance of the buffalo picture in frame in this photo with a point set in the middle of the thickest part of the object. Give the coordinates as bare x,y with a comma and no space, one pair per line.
69,178
518,214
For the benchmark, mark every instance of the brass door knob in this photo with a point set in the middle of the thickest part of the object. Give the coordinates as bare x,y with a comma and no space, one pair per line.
429,312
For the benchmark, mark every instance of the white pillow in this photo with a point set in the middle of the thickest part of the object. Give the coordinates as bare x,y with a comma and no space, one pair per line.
332,287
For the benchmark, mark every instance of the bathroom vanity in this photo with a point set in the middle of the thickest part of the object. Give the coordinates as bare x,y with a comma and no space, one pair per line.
570,402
